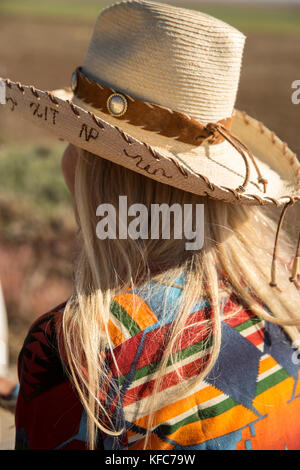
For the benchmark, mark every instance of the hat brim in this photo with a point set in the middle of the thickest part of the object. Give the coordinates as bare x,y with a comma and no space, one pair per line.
212,170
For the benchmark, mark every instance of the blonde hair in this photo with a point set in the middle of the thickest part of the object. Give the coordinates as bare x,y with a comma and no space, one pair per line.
238,241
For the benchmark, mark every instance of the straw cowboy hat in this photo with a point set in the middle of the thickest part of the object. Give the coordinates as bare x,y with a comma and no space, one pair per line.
156,94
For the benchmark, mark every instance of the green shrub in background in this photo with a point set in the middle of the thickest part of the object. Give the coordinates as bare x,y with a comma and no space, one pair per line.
34,199
32,173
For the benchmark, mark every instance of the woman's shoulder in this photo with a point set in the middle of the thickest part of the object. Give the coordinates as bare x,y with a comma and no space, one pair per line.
53,313
48,411
40,349
44,327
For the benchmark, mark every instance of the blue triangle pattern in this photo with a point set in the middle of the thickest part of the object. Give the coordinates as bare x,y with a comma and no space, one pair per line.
229,374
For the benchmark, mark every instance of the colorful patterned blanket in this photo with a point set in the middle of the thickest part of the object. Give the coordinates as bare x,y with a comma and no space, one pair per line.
249,400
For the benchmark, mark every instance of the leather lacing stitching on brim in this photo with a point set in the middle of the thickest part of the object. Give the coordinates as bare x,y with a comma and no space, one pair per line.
96,121
52,98
296,263
74,108
34,92
127,138
21,88
243,150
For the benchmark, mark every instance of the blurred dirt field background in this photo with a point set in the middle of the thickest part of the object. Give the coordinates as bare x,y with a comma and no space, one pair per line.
41,43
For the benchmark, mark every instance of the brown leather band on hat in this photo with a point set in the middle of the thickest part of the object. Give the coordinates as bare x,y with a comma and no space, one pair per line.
149,116
159,119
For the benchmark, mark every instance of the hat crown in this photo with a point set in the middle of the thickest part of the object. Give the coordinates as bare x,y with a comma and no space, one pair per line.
178,58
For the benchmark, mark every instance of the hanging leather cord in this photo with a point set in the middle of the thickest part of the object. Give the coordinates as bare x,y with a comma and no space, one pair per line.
243,150
296,263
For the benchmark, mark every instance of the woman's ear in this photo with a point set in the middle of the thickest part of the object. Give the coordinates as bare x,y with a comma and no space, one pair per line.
68,166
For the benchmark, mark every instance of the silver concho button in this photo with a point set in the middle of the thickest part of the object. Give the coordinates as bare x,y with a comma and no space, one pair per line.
117,104
74,81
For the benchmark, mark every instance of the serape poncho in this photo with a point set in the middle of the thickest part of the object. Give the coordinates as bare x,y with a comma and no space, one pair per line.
249,400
